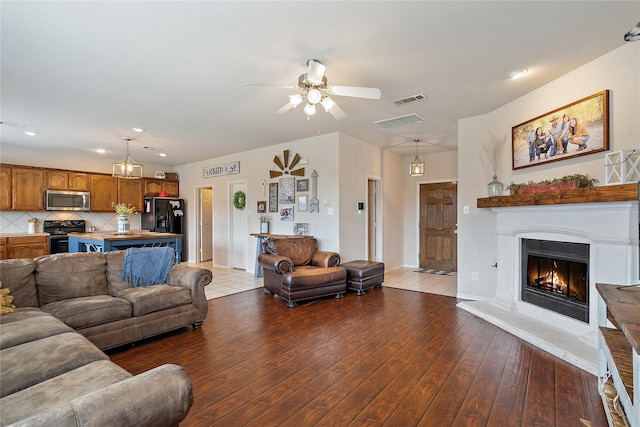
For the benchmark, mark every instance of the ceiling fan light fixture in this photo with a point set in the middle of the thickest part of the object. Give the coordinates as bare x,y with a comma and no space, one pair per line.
327,103
295,100
309,109
314,96
127,167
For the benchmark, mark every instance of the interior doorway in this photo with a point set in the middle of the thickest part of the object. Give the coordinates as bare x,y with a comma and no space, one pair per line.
438,223
204,221
238,229
373,222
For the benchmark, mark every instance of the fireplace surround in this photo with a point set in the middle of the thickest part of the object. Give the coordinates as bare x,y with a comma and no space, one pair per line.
609,228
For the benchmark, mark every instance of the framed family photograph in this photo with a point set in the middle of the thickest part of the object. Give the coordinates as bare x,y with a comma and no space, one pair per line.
573,130
286,214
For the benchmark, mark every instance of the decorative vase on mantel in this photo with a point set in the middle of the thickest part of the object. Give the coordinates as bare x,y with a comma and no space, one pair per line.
495,187
123,224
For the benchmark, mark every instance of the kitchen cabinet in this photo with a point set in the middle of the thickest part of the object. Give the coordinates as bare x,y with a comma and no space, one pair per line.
619,345
5,188
27,189
130,192
104,192
67,180
153,187
24,246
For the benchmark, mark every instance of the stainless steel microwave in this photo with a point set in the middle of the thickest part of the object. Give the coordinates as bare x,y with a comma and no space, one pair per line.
67,200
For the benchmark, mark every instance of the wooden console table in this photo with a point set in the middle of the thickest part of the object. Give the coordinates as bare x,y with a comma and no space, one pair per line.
261,237
619,364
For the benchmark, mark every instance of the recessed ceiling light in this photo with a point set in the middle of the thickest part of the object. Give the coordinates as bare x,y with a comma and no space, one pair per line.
139,130
163,154
30,133
101,150
516,74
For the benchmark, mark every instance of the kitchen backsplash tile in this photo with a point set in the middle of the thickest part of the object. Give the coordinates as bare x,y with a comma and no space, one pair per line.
17,222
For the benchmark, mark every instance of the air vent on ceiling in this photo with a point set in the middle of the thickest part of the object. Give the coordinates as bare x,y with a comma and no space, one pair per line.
400,121
410,99
146,147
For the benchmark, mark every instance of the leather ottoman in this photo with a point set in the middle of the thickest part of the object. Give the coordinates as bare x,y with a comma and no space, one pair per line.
307,283
364,275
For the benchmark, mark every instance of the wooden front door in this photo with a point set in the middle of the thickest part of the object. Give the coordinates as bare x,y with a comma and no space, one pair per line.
438,240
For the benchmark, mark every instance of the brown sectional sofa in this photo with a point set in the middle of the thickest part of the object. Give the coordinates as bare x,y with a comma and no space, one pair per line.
68,307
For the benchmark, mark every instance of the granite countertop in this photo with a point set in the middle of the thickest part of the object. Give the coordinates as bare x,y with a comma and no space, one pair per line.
132,235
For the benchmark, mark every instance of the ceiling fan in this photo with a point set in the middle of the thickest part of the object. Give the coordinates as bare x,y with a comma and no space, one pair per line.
315,90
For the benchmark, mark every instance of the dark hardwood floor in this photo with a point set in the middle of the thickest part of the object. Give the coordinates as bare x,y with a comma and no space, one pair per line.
391,357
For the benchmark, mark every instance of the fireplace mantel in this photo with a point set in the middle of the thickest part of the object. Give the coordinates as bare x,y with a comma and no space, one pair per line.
608,193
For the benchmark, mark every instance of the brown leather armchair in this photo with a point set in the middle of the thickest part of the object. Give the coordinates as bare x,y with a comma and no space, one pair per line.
296,270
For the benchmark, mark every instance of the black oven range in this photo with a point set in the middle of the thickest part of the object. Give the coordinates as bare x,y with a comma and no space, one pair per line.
58,230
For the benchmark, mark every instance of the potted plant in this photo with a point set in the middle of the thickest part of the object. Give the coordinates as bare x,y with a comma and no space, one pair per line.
567,182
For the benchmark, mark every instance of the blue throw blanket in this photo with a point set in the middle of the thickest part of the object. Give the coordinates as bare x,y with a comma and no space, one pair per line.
147,266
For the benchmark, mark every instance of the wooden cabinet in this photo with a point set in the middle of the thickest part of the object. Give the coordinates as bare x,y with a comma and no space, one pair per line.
130,192
619,345
27,189
153,187
23,247
104,192
67,180
5,188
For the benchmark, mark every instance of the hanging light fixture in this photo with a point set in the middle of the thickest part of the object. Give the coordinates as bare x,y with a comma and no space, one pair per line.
127,168
417,166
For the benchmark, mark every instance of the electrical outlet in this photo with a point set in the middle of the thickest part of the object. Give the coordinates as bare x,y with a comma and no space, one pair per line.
474,275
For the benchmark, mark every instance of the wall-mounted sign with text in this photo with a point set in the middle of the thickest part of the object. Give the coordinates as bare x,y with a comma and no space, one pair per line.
220,170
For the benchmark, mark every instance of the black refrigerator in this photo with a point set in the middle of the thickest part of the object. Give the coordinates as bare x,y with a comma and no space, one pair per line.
163,215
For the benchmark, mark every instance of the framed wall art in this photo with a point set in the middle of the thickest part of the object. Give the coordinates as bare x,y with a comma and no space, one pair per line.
286,214
302,203
286,190
261,206
579,128
302,185
273,197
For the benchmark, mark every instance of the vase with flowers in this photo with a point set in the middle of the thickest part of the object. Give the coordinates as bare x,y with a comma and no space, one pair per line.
123,221
492,151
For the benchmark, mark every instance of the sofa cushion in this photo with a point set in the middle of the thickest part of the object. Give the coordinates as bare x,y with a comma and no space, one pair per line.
21,313
17,276
299,250
70,275
89,311
31,329
51,394
31,363
148,299
115,259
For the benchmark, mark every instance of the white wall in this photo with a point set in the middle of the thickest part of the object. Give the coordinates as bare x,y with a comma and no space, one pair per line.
617,71
393,201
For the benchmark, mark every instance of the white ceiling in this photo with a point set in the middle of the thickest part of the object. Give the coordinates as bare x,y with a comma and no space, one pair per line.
81,74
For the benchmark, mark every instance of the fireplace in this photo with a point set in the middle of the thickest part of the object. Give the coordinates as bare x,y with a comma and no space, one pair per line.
555,276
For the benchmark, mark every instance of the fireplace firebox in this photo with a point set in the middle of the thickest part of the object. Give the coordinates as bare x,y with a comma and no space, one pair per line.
555,276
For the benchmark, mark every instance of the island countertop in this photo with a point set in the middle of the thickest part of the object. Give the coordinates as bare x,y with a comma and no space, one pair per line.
132,235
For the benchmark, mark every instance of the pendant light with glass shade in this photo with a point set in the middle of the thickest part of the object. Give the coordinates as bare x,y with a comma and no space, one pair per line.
417,166
127,167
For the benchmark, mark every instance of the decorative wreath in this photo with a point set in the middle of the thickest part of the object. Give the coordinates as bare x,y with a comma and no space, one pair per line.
239,200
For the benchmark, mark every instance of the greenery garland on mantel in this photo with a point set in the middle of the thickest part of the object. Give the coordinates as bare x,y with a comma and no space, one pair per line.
239,200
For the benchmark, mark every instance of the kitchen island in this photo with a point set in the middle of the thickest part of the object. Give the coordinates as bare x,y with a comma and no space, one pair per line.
112,241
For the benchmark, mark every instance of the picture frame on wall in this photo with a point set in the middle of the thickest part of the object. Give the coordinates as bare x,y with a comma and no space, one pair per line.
286,214
286,190
273,197
303,206
302,185
261,206
574,130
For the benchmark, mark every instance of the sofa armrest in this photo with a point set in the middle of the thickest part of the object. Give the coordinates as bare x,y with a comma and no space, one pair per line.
159,397
325,259
279,264
195,279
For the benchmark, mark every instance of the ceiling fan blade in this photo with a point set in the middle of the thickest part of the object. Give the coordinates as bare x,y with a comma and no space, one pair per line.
284,109
337,112
356,91
16,125
271,85
316,71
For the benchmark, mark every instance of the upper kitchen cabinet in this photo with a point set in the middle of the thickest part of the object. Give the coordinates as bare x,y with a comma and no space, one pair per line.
27,189
67,180
104,192
5,188
130,192
153,187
